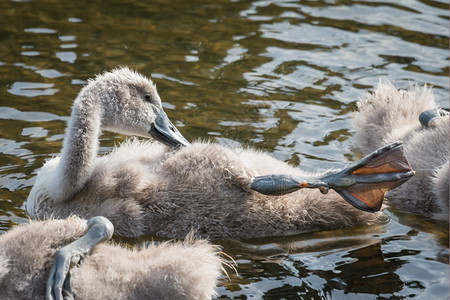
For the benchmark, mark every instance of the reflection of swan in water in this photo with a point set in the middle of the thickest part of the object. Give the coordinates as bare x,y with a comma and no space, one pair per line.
144,187
389,114
187,270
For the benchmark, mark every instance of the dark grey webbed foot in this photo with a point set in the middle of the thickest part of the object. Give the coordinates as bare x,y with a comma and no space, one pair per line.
427,117
100,229
363,184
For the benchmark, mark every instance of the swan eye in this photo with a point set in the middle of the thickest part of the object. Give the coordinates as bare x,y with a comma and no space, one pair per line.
148,97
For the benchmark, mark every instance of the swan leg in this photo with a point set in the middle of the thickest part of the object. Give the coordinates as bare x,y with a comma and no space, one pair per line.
100,229
275,185
427,117
362,184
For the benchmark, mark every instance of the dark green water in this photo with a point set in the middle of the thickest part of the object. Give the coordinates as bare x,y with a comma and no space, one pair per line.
282,76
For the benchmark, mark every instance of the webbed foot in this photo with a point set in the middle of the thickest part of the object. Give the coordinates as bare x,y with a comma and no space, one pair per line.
363,184
100,229
427,117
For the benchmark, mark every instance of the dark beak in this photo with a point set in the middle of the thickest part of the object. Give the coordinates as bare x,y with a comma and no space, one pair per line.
165,132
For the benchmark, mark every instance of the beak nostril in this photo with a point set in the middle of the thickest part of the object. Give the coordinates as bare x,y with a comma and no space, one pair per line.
167,133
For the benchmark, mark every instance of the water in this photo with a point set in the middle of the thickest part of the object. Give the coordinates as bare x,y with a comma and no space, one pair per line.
282,76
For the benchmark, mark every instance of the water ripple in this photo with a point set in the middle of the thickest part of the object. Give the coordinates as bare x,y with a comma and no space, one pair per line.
280,75
32,89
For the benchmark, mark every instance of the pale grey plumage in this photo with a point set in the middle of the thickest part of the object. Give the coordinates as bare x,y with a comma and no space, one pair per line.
145,187
182,270
388,114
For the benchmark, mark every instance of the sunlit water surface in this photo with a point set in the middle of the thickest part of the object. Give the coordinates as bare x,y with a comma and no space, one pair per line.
282,76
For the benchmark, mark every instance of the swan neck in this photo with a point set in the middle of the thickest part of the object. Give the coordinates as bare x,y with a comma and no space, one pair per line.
80,145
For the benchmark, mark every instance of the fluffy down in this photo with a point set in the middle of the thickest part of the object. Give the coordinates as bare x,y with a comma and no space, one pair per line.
182,270
388,114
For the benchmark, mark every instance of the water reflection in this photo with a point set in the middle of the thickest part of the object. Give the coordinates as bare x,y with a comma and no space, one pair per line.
282,76
369,263
369,273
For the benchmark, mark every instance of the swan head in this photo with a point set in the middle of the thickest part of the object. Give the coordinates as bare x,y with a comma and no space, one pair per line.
131,105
